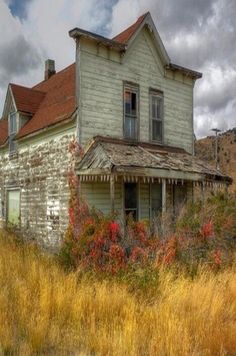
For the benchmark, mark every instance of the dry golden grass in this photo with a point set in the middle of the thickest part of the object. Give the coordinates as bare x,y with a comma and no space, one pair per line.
43,310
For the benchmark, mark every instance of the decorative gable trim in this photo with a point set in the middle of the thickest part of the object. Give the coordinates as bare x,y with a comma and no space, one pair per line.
9,100
148,22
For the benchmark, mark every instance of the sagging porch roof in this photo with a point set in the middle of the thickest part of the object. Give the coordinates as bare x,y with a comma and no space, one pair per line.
107,155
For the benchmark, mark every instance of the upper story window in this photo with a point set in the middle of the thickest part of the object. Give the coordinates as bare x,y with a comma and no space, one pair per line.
131,112
12,132
156,113
12,126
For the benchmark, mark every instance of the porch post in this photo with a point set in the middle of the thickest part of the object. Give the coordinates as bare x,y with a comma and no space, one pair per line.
112,193
163,195
203,191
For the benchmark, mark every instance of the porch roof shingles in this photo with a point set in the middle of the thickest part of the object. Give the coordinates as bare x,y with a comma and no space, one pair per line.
107,155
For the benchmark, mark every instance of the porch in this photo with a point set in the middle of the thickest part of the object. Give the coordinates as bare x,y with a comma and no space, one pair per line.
142,179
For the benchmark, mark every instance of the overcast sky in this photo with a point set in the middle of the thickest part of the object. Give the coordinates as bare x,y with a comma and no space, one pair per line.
200,34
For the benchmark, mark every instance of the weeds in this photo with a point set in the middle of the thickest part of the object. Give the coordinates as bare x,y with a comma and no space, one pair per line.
45,310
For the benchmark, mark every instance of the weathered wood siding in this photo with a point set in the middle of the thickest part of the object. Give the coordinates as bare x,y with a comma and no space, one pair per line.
40,172
102,74
97,194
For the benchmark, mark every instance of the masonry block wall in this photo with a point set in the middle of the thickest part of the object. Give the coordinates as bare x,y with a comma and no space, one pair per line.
40,171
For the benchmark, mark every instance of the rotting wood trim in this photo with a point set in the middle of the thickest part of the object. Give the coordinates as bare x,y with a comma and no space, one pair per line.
78,32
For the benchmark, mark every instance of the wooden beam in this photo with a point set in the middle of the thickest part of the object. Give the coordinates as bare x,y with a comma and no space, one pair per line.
112,193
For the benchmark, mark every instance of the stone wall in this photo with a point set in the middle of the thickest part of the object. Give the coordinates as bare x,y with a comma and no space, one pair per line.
40,171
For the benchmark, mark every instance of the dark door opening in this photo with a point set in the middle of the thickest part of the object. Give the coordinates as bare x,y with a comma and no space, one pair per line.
131,200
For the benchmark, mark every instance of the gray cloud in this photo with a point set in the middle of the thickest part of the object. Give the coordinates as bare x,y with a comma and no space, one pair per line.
200,34
18,57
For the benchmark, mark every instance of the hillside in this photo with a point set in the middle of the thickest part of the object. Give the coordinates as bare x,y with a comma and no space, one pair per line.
205,149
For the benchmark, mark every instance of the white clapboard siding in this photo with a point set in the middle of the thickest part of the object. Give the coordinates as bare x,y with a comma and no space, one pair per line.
97,194
101,96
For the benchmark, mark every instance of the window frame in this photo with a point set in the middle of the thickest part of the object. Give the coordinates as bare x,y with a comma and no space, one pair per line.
159,94
13,113
12,134
8,190
133,87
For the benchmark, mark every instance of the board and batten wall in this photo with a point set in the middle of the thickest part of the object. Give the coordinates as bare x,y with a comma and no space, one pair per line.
102,73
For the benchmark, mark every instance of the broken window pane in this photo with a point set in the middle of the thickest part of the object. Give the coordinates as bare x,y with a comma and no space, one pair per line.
131,113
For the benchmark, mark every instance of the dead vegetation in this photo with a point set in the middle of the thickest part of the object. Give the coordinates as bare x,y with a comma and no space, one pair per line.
44,310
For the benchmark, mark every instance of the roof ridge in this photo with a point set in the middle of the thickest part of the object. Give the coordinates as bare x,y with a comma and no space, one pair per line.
135,25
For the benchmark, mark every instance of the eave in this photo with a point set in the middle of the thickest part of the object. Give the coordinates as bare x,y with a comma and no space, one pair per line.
188,72
78,32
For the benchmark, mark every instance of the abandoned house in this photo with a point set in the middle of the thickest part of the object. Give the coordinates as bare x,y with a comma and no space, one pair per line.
129,107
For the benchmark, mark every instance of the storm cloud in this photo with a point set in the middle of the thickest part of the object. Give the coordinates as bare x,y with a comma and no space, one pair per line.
198,34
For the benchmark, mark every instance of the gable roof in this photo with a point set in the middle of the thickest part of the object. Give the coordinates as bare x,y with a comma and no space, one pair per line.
122,41
3,131
125,35
48,102
27,100
55,98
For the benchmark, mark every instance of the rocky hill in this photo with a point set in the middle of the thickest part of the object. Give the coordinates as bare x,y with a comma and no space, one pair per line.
205,149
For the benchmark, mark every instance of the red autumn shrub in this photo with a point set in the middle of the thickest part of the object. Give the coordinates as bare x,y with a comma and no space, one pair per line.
203,234
139,255
207,230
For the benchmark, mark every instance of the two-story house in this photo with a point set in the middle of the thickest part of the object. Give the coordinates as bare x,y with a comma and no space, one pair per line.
129,107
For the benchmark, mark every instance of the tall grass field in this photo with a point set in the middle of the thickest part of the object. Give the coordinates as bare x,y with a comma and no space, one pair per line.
45,310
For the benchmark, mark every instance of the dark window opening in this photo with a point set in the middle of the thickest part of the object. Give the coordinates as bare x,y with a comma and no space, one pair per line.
131,113
131,200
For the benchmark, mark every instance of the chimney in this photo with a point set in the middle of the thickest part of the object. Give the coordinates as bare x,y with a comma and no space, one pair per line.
49,68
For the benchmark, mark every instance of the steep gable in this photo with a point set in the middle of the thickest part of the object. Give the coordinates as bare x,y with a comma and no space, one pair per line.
128,35
58,104
125,35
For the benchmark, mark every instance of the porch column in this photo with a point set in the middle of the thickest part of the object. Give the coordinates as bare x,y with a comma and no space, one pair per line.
163,195
203,191
112,193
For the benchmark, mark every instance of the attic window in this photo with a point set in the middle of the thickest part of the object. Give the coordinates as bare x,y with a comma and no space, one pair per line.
12,132
12,127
